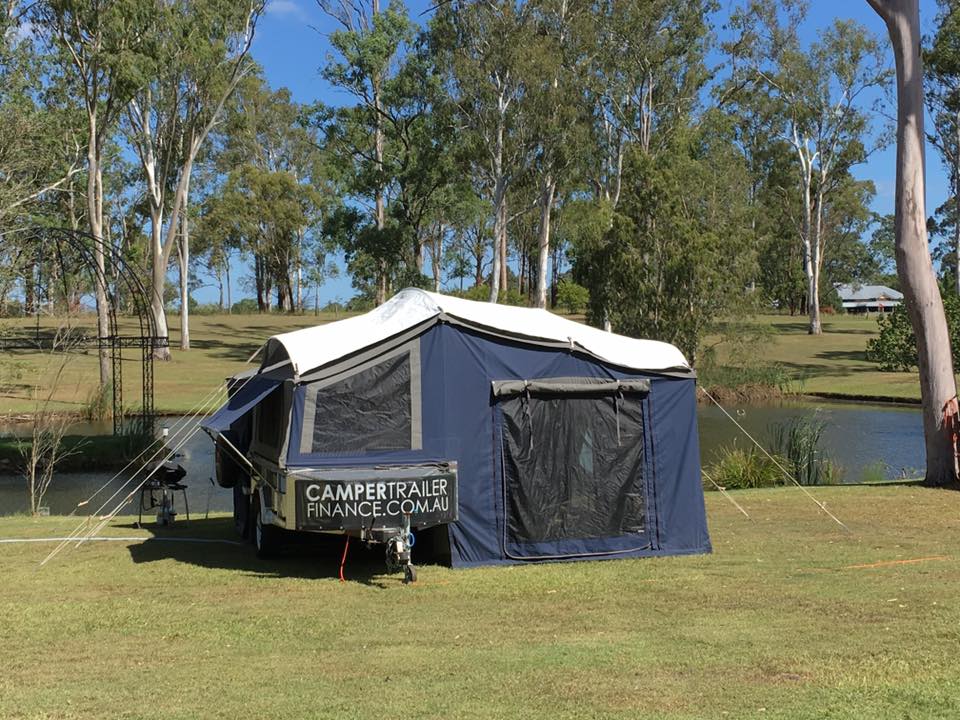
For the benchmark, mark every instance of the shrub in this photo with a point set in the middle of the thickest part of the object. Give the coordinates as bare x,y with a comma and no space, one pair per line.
205,308
247,306
99,403
481,293
572,297
736,468
798,440
874,472
896,347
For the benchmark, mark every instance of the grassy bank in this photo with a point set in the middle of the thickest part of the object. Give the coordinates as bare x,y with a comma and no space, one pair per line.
832,364
221,346
791,617
79,453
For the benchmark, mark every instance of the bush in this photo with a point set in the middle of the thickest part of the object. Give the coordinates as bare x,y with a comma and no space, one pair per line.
481,293
247,306
798,440
896,347
736,469
205,308
572,297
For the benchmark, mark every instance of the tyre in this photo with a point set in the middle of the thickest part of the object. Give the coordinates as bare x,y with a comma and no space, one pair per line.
264,536
241,512
409,574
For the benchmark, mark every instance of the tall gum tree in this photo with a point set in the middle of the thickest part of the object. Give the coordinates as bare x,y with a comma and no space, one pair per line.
484,49
105,55
644,75
816,98
369,43
942,69
938,390
204,51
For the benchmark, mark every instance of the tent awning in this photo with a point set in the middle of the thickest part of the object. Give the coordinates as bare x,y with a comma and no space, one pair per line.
251,391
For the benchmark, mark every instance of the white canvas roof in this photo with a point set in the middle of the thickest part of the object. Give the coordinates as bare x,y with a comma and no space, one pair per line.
315,347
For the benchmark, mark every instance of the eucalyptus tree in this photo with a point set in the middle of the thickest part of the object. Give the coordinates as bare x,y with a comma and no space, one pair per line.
202,52
942,67
418,123
818,102
938,387
368,48
264,144
40,153
644,73
267,129
678,253
104,53
554,76
485,49
262,211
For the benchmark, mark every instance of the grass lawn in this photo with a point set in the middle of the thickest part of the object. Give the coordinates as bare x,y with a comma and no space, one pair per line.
221,346
833,363
791,617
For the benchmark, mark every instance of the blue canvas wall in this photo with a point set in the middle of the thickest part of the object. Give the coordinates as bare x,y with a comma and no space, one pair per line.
461,422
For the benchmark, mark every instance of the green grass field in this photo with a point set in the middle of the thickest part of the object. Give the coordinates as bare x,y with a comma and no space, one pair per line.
833,363
790,617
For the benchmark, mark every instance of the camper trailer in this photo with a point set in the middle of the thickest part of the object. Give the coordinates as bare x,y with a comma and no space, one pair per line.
517,435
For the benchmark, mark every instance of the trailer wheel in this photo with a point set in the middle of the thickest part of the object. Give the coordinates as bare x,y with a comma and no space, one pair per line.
409,574
264,536
241,512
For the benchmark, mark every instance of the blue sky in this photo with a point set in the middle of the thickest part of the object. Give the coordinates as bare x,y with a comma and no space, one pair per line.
291,45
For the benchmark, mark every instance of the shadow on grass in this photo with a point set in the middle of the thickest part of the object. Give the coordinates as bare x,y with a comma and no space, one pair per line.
809,370
858,355
306,556
223,350
829,327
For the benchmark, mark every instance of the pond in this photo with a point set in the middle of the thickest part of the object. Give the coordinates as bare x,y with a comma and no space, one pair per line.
864,440
878,439
68,489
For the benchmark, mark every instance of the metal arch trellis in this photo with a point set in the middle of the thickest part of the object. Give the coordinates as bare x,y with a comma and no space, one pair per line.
119,279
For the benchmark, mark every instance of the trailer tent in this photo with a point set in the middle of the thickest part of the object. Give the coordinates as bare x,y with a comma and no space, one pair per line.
570,442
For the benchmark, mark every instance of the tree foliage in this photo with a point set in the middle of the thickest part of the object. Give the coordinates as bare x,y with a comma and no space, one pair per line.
895,349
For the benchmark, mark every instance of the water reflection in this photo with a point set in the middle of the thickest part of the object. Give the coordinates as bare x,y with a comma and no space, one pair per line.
68,489
858,436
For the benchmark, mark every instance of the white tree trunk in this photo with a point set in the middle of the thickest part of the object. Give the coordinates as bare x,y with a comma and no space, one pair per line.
184,280
299,260
955,182
499,199
543,240
226,271
924,305
437,257
95,219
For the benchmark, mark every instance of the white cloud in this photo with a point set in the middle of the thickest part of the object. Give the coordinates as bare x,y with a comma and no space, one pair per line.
286,9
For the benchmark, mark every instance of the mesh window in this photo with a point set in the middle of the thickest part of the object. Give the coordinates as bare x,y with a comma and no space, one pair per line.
573,466
270,420
367,411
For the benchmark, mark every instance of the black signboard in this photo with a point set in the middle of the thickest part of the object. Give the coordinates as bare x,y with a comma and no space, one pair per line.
325,504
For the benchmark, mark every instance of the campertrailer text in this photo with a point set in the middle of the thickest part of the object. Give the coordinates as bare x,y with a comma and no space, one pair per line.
333,504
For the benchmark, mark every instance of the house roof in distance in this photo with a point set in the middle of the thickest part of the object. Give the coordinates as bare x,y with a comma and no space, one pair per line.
864,293
315,347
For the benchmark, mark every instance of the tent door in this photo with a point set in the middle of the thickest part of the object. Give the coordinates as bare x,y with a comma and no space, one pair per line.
572,468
